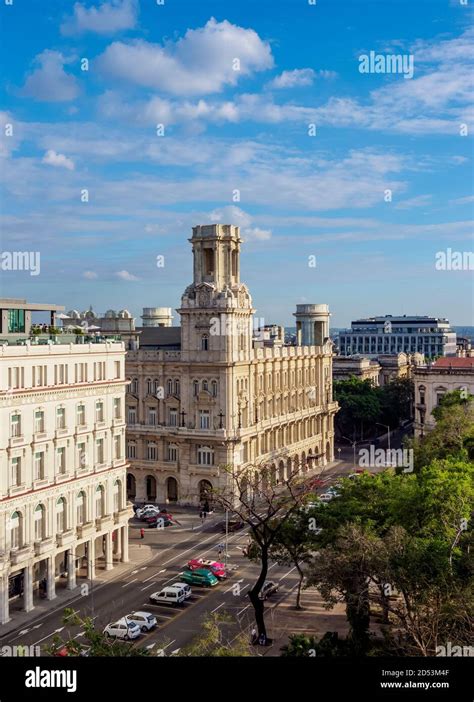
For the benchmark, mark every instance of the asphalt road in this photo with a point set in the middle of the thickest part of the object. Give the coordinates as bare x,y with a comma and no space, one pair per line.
176,626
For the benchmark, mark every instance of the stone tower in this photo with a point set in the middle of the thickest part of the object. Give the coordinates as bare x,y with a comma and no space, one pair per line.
216,309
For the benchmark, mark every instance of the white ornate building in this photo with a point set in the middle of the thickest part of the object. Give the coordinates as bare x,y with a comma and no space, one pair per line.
204,396
63,508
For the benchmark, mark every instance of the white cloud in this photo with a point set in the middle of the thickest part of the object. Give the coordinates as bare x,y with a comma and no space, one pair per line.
418,201
462,200
256,234
90,275
125,275
59,160
50,82
292,79
107,18
203,61
299,77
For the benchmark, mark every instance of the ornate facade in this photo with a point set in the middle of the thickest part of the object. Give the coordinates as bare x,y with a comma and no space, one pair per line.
63,508
220,399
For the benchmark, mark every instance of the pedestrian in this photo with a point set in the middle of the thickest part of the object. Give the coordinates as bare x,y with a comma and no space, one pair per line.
142,533
201,516
253,636
206,506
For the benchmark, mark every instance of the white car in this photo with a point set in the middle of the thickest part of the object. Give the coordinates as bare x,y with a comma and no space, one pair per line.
144,620
168,595
123,630
326,497
184,587
333,491
147,512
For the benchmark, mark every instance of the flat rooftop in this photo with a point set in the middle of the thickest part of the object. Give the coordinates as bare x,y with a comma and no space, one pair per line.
7,303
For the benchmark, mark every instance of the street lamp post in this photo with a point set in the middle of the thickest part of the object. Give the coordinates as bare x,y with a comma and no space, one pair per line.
386,426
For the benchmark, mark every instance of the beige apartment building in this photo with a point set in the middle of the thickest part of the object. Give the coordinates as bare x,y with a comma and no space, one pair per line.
435,380
63,510
210,395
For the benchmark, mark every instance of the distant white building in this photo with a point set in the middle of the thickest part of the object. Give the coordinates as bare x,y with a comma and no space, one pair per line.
63,508
375,336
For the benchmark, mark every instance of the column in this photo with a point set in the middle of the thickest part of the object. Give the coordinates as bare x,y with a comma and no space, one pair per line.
91,559
4,603
116,544
109,563
28,588
124,542
71,568
51,582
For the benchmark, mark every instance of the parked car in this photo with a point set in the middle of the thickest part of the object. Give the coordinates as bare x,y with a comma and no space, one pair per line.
159,521
168,595
184,587
217,569
145,508
122,629
232,525
201,576
144,513
333,491
144,620
268,588
162,514
326,497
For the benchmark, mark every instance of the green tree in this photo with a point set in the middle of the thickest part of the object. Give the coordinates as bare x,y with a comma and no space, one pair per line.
214,642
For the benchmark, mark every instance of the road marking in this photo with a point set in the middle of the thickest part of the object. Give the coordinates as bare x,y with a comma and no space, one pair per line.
286,574
81,633
232,586
243,588
272,566
22,633
154,575
56,631
134,571
213,536
147,586
215,610
242,610
130,582
37,626
177,650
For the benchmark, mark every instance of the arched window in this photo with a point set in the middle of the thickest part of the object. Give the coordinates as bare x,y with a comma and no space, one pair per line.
195,388
39,523
149,386
176,388
61,524
81,508
205,385
16,530
204,342
134,386
214,388
99,502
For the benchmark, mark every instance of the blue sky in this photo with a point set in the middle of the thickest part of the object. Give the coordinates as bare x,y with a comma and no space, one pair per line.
248,129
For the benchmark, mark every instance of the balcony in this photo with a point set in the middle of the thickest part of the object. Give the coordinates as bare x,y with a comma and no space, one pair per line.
104,523
118,422
44,546
20,555
86,530
61,432
100,426
16,441
66,538
39,436
123,515
81,429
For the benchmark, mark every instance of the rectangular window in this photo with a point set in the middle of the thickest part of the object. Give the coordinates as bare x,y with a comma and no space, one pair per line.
61,460
16,471
132,415
39,466
16,425
152,453
16,321
99,411
204,419
131,449
100,451
151,416
172,454
39,421
117,369
81,456
117,408
117,447
60,418
81,415
173,417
